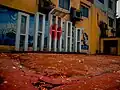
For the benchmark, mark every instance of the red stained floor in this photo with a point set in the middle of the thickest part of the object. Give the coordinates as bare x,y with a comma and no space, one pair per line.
59,72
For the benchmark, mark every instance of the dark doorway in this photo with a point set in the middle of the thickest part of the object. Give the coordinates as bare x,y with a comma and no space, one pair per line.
110,47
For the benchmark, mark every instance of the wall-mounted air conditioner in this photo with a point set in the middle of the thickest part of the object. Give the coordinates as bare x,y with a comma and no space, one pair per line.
76,14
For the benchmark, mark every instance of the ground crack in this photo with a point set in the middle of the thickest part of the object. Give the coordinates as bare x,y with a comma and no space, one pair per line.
42,85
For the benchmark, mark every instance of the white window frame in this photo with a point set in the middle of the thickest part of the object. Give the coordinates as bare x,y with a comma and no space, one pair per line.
49,36
55,40
17,43
36,32
66,48
60,41
76,39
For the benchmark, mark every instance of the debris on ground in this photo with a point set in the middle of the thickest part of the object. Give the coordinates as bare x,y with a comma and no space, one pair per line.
38,71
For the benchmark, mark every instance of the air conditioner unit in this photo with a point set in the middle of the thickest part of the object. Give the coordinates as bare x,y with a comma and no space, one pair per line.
76,14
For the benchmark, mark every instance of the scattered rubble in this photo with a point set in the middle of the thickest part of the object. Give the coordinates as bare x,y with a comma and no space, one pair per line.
37,71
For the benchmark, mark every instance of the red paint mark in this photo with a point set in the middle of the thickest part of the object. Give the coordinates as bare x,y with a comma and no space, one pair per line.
53,31
59,33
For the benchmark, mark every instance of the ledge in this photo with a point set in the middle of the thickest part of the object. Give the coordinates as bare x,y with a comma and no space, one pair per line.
60,12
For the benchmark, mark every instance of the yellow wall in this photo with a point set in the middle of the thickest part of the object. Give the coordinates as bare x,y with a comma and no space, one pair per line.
8,48
95,32
29,6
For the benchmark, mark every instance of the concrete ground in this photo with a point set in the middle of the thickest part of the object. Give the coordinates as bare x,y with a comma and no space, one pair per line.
38,71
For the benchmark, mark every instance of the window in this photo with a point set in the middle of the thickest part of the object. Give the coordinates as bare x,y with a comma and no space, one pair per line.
38,42
85,11
21,43
110,4
102,1
111,21
64,4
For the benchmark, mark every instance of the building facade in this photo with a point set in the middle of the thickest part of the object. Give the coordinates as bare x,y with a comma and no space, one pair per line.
55,25
109,7
110,42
